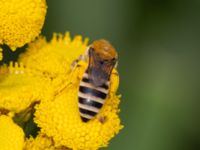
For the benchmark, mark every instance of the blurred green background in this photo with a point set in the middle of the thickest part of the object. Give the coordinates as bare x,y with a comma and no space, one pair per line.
159,49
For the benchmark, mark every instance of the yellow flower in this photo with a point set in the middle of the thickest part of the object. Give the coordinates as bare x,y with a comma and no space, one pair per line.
61,120
54,57
19,87
41,142
21,21
43,73
11,135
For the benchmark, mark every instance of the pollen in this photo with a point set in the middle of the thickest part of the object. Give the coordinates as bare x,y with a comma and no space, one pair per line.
60,118
11,135
21,21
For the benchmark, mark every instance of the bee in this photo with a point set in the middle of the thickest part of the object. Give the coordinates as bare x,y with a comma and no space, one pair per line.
95,83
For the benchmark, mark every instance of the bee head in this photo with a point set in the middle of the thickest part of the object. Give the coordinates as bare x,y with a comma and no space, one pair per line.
104,49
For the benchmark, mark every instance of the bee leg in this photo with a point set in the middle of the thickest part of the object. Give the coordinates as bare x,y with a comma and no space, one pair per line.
116,65
74,63
83,57
114,82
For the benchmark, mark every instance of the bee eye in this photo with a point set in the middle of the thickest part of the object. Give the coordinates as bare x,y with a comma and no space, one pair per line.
101,62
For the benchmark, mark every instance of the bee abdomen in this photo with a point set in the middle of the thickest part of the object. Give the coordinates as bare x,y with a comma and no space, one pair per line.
90,102
91,99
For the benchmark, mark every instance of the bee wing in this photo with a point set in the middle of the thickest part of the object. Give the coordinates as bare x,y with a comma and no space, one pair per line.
99,71
98,75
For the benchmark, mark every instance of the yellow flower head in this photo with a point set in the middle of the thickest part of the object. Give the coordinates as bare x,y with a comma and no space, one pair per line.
21,21
41,142
11,135
61,120
53,58
19,87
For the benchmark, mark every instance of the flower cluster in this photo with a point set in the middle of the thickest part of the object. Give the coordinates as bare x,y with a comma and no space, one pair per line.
40,91
50,84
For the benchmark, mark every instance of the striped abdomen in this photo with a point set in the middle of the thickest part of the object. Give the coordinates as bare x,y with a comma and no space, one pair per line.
91,98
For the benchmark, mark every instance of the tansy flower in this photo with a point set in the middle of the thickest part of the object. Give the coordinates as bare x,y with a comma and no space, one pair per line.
55,57
60,118
19,87
41,142
44,74
21,21
11,135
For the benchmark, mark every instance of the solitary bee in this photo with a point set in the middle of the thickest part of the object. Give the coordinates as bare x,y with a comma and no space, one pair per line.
95,82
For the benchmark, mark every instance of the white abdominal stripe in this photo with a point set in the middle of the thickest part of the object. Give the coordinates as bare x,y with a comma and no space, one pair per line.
86,79
89,85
